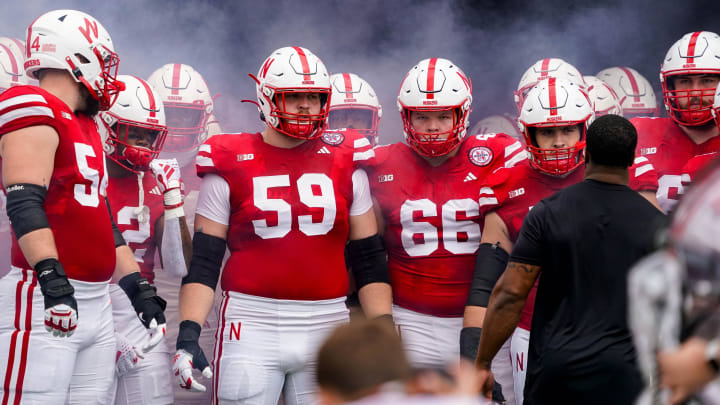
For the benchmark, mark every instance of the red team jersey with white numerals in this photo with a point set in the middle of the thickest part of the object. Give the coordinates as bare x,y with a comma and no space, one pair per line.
433,219
518,189
139,235
668,148
289,212
74,204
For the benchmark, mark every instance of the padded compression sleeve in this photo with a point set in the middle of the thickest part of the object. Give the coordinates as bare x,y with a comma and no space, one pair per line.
489,266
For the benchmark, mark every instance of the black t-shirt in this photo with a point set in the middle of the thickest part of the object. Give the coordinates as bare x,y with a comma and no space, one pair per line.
585,238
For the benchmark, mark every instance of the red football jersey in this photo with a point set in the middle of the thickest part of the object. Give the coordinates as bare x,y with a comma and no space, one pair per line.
289,212
518,189
138,228
74,204
696,165
433,219
668,148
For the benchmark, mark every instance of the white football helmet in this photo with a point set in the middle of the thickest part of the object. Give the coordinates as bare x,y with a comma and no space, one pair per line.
188,108
435,85
542,69
137,114
695,53
636,94
289,70
354,105
603,97
498,124
554,103
12,58
74,41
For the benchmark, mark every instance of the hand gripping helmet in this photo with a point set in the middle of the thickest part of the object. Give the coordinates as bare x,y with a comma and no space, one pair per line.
288,70
188,108
353,95
138,109
554,103
12,57
498,124
542,69
435,85
693,238
695,53
637,97
74,41
603,97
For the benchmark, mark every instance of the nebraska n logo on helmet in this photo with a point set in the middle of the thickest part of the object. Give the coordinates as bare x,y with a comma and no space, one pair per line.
292,70
74,41
555,103
435,84
696,53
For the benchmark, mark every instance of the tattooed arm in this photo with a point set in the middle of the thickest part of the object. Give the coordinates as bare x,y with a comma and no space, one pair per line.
503,312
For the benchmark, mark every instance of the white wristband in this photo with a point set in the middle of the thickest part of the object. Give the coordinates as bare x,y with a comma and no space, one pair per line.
172,197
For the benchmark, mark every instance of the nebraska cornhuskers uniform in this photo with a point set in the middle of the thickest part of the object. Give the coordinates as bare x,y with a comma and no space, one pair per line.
30,357
74,203
433,219
668,148
289,212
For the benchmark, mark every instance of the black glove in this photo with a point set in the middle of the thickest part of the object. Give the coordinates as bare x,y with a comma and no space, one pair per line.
61,312
469,342
189,355
142,295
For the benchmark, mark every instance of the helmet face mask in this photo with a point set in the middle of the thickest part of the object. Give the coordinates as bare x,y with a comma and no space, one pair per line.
288,75
435,85
555,103
354,105
696,53
135,126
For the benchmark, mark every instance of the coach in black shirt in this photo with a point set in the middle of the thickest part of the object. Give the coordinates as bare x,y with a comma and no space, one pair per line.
581,242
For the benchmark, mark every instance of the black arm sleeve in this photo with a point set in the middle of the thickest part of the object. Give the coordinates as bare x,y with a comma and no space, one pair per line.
25,208
368,261
489,266
208,253
119,240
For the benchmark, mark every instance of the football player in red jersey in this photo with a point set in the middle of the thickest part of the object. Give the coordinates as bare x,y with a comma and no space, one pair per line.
427,191
354,105
55,179
689,76
149,215
285,201
189,111
554,117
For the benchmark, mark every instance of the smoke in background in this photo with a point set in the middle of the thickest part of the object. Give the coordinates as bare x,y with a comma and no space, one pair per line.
381,40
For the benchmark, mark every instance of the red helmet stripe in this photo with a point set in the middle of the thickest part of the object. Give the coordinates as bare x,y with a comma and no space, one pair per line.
151,98
544,67
29,35
691,46
348,85
553,96
431,79
633,84
176,79
19,43
13,62
303,61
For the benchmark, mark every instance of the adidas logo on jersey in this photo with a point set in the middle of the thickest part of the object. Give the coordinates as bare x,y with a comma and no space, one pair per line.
155,191
516,193
323,150
245,156
648,151
385,178
470,177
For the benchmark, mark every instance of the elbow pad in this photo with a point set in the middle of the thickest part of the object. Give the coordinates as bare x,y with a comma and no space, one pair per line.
208,253
489,266
117,235
368,261
25,208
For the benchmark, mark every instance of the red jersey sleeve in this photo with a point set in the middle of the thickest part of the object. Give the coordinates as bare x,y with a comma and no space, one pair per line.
25,106
643,176
509,151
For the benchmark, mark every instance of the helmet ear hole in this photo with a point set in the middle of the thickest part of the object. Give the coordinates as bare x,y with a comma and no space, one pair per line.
82,58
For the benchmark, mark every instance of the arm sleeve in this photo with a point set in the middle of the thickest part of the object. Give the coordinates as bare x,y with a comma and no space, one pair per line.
529,247
214,199
172,249
362,200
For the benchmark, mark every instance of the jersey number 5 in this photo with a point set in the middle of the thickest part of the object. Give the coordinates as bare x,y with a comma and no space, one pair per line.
452,228
89,195
320,196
